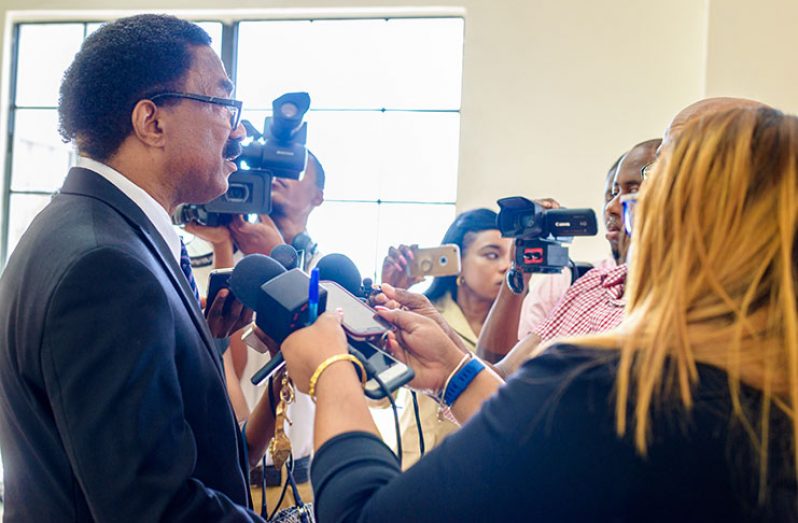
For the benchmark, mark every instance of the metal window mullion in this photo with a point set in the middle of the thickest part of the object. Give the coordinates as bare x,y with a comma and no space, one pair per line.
12,113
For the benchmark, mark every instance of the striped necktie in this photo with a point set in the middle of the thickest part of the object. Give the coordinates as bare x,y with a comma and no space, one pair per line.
185,265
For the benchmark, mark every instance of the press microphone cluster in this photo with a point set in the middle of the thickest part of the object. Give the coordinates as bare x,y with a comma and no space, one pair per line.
277,291
278,296
286,299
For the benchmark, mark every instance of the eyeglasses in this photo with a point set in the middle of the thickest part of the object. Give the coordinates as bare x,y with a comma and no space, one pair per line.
232,106
646,170
628,204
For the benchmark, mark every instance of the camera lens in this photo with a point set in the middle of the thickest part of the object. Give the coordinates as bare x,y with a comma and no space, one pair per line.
443,260
237,193
289,110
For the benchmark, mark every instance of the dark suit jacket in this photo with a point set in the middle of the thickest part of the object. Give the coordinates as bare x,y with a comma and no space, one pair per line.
112,399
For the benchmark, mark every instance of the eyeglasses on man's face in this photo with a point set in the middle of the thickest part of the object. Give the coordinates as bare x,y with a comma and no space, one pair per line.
232,106
646,170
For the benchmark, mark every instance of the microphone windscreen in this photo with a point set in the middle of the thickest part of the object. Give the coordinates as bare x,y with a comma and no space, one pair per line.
249,274
341,270
286,256
302,242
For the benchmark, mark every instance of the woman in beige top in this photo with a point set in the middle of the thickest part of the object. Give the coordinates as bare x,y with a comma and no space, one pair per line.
463,300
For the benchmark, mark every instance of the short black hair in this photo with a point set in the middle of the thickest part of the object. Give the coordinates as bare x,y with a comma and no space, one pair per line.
320,176
461,232
119,64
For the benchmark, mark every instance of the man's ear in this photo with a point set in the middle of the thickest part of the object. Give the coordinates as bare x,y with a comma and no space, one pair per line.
147,125
318,197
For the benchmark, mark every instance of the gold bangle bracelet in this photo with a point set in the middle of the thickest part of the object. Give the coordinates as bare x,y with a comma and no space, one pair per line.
329,361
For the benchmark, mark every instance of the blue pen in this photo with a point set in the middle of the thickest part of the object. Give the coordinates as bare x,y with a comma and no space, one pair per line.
313,296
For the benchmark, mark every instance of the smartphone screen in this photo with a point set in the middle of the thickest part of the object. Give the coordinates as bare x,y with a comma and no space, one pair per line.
360,320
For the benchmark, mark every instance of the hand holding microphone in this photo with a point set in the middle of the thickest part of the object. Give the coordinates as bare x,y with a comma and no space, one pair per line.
286,301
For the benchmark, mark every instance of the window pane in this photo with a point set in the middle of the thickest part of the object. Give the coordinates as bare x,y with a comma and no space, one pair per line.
399,156
349,146
90,28
395,64
214,30
45,52
23,208
419,157
41,159
347,228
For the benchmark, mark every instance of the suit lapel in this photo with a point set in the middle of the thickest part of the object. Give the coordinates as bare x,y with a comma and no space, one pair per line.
88,183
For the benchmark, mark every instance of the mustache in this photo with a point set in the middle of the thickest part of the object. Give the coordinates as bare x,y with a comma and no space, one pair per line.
232,149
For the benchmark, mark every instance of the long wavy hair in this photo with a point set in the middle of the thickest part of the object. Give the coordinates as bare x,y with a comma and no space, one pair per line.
461,232
713,274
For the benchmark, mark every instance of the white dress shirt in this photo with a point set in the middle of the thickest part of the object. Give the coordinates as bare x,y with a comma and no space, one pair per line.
151,208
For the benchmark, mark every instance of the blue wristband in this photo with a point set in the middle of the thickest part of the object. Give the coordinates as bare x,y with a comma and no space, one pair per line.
462,380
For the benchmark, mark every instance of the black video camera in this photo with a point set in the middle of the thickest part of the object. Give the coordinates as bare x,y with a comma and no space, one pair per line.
539,235
278,151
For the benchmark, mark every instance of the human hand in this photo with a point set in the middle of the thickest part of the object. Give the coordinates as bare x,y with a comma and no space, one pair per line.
395,267
259,237
547,203
305,349
272,347
226,314
392,298
214,235
421,344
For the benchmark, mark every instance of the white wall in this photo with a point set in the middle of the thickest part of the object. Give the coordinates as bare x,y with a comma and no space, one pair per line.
555,90
751,51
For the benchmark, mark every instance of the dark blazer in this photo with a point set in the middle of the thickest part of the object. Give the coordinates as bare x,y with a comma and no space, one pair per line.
112,399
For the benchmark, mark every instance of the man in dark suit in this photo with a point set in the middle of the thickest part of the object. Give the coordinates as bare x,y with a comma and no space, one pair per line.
112,398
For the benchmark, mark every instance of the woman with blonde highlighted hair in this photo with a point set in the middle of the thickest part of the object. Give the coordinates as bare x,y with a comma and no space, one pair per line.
685,413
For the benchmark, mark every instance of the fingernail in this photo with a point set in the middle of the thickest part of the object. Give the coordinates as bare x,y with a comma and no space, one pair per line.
381,308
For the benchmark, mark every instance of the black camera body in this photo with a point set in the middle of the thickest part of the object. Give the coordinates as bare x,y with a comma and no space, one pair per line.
278,151
539,235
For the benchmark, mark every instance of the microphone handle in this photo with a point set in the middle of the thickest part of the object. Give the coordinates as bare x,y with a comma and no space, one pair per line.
267,370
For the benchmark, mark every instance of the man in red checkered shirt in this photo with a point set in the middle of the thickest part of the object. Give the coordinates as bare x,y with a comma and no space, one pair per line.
595,302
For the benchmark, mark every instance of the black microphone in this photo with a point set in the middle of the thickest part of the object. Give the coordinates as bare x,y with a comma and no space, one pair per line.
302,242
248,276
305,249
341,270
286,255
368,289
278,297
